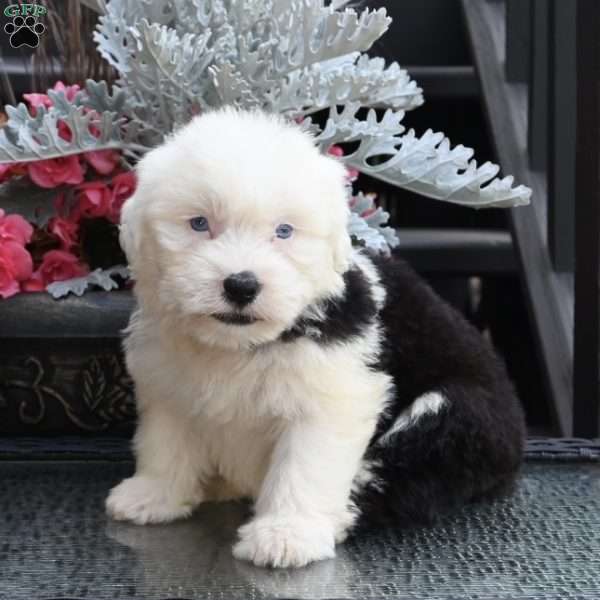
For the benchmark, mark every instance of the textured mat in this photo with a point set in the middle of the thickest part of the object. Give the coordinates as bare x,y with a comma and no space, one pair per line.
55,542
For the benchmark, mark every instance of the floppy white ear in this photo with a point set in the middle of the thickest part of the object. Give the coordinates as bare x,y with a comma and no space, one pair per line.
130,229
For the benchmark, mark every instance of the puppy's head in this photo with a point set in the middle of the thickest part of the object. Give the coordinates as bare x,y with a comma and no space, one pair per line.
238,225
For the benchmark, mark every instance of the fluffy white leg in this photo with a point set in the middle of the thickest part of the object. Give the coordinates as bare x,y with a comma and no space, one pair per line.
167,484
304,497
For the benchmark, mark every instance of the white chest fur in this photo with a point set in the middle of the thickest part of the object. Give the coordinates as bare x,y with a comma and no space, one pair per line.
236,405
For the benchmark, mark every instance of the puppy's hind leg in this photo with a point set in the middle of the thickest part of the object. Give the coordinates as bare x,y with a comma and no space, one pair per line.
170,470
452,446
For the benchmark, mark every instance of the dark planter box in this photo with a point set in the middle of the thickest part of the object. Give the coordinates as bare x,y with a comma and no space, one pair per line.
61,365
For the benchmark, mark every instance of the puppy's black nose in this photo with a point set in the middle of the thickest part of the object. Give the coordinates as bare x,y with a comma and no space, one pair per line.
241,288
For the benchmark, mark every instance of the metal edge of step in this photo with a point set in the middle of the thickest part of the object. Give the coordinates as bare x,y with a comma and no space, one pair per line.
112,448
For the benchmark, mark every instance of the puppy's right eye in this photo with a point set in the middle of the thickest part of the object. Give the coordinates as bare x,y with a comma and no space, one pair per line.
199,224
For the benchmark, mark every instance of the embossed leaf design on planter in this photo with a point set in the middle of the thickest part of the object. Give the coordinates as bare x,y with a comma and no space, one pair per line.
94,384
107,389
37,393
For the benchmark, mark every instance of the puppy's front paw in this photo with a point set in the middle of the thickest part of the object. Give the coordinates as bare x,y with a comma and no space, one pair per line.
144,500
279,541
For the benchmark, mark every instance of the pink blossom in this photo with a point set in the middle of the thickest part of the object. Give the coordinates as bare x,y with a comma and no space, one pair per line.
15,267
12,170
56,171
57,265
351,174
368,212
69,90
37,100
123,186
94,200
64,131
34,283
338,152
14,228
103,161
5,172
65,230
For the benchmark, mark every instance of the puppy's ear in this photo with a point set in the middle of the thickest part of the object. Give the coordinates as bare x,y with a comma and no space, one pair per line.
130,229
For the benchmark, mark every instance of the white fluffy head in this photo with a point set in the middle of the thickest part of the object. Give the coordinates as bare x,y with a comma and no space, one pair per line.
246,173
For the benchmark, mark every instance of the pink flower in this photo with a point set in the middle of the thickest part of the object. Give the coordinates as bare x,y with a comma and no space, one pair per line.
64,131
15,267
14,228
368,212
123,186
56,171
12,170
336,151
351,174
94,200
57,265
5,172
69,90
103,161
37,100
65,230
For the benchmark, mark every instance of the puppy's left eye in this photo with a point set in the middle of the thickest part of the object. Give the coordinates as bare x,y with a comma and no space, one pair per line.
284,231
199,224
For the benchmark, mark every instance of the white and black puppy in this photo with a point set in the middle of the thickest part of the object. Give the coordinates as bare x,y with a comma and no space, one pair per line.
273,361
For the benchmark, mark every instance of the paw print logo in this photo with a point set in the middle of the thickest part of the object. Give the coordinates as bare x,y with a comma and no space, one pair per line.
24,31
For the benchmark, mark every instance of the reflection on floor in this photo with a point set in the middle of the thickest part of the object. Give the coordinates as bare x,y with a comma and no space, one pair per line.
55,541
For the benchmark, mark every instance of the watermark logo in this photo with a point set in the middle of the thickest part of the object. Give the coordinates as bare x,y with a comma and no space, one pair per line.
25,28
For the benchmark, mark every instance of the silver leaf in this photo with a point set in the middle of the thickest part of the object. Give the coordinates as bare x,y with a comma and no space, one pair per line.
180,57
102,278
37,138
368,224
426,165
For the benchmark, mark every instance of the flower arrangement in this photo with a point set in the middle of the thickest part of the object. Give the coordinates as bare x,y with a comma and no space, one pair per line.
83,195
65,156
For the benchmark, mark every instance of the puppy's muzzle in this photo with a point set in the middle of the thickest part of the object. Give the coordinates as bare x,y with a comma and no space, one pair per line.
240,289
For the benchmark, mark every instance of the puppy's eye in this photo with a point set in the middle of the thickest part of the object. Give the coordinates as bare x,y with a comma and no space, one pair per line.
284,231
199,224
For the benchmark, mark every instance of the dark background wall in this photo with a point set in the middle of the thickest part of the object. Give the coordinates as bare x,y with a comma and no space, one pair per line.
424,32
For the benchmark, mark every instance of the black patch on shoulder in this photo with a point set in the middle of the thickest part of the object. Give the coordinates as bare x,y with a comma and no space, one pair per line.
345,317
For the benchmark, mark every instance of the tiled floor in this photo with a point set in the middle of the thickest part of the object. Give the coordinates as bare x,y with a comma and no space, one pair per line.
55,542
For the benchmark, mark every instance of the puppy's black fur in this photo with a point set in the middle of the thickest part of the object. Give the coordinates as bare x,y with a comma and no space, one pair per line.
345,317
472,448
469,450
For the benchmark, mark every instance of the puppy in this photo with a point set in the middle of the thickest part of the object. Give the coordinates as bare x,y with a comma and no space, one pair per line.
273,361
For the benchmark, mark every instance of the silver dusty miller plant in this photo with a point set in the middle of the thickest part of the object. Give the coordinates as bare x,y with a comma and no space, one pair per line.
179,58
